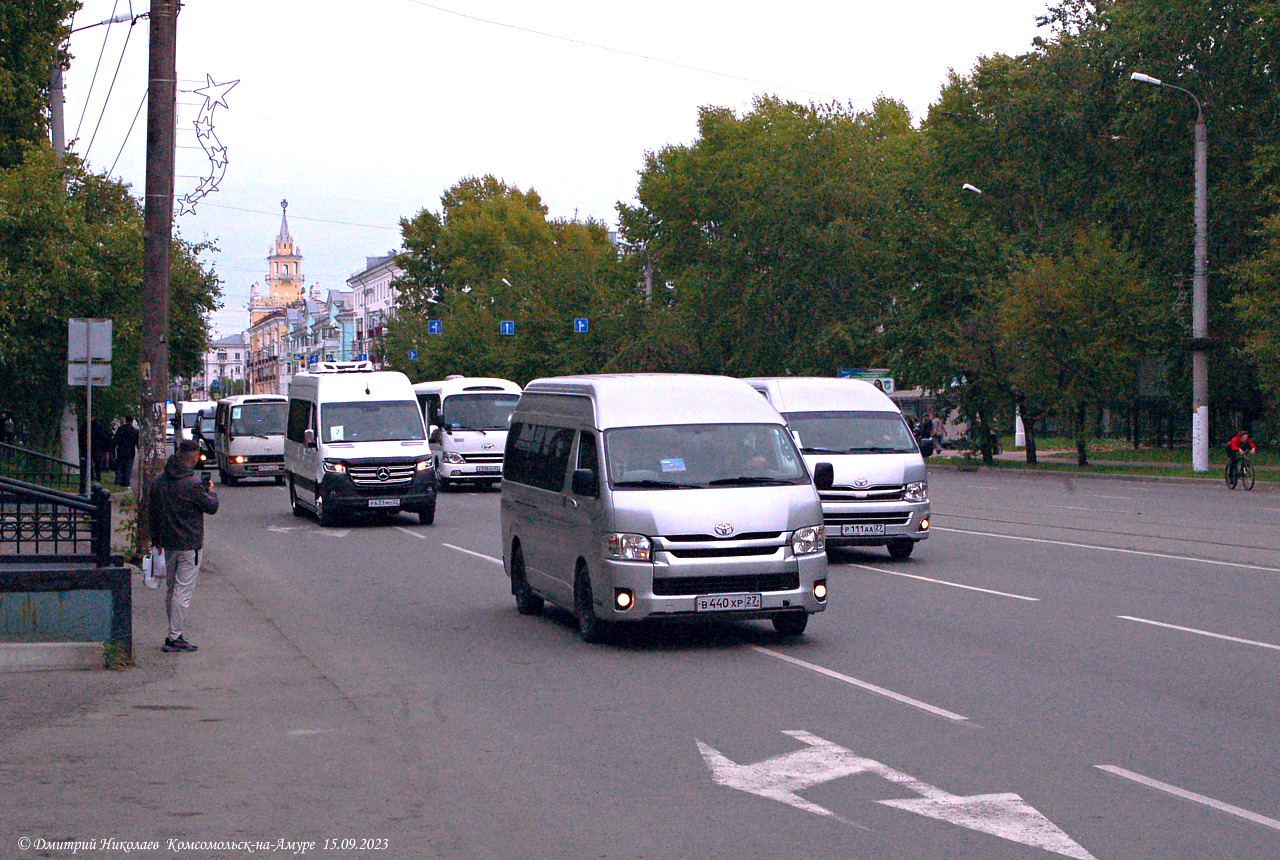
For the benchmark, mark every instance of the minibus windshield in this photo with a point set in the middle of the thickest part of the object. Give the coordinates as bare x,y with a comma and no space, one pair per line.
851,432
259,419
377,421
696,456
478,411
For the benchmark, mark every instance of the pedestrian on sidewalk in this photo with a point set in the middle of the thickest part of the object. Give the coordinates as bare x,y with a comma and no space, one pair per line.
178,502
124,445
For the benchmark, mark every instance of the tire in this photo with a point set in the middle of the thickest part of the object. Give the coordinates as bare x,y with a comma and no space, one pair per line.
324,515
427,516
298,510
442,483
1231,477
279,480
590,627
527,603
1246,475
901,548
227,478
791,623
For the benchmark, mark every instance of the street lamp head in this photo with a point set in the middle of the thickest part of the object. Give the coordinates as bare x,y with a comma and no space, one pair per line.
508,283
973,188
1145,79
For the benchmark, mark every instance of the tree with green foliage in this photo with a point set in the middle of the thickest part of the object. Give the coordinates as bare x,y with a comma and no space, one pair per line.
71,246
30,33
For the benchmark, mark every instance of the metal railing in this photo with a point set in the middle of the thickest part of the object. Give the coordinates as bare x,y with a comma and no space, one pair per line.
41,524
32,467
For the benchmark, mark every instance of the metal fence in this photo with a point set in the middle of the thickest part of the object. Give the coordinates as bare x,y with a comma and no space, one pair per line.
32,467
42,524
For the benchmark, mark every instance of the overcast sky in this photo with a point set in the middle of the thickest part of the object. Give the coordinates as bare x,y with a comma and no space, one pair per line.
362,113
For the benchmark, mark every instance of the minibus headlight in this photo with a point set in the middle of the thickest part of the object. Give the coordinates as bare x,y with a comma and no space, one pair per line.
239,458
423,465
917,491
454,458
626,547
808,540
335,467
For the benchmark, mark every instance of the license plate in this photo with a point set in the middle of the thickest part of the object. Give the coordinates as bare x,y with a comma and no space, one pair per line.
862,529
384,503
726,602
255,468
488,469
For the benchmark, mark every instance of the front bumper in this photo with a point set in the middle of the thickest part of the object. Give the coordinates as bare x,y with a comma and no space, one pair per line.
340,494
874,524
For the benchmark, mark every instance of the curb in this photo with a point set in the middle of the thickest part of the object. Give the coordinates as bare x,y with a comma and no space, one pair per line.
45,656
1267,486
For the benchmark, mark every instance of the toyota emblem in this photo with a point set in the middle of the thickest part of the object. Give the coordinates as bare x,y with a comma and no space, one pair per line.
724,529
384,474
860,482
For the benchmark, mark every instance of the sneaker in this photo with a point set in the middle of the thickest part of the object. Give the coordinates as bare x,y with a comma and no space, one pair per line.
179,644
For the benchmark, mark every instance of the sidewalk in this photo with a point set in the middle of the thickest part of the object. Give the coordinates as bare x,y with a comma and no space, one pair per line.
950,458
244,739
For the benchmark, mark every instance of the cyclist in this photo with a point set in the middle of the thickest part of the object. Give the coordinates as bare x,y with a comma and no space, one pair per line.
1237,446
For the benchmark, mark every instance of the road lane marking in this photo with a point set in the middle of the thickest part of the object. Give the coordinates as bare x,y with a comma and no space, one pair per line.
1092,510
864,685
944,582
1110,549
473,552
1200,632
411,533
328,532
1117,498
1190,795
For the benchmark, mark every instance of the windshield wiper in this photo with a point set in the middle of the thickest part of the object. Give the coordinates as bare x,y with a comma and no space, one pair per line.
819,451
746,480
472,429
649,482
878,451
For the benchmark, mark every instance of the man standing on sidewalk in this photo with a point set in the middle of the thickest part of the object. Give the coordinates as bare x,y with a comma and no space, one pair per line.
179,501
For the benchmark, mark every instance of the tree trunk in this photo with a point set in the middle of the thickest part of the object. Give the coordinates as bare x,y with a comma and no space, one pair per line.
1082,437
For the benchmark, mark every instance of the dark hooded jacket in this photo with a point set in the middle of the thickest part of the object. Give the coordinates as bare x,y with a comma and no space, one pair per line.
178,504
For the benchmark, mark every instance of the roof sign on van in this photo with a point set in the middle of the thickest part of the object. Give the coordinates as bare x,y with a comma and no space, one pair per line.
342,367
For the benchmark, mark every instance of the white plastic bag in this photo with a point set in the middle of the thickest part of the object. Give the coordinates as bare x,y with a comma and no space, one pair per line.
153,571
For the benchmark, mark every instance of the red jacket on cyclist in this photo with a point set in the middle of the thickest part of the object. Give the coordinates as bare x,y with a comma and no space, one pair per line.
1239,444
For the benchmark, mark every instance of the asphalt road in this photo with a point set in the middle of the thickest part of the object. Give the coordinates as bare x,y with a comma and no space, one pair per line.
1066,668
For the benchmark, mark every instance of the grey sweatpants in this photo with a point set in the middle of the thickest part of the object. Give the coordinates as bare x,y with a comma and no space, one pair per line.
182,568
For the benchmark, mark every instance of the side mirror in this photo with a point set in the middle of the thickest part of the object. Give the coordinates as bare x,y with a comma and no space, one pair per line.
309,438
824,475
435,436
584,483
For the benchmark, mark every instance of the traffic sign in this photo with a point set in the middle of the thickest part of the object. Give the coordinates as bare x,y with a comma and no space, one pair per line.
435,326
580,325
88,340
413,355
507,327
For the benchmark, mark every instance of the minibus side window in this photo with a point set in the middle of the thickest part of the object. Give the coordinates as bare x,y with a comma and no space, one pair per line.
299,419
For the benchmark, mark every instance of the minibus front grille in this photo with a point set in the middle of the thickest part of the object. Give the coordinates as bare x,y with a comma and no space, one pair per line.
888,518
483,458
264,458
382,475
685,586
722,551
706,538
886,493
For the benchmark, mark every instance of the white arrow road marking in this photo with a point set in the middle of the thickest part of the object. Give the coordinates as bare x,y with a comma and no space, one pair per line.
338,533
1191,795
1006,815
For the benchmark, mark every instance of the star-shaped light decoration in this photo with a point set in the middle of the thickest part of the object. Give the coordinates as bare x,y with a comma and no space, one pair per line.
216,94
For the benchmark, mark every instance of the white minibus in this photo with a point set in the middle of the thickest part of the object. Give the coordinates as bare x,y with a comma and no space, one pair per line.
467,420
248,437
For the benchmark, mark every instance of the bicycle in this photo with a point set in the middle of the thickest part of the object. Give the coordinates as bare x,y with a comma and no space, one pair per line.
1240,470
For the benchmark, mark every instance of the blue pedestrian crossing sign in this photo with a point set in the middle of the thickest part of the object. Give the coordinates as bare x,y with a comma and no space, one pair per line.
507,327
435,326
413,355
580,325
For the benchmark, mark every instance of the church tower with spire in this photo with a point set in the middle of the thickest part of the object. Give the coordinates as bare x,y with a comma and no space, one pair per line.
285,286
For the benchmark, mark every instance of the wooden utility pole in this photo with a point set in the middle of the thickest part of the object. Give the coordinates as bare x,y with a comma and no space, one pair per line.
162,100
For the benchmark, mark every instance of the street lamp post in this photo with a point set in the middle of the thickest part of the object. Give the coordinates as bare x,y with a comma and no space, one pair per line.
1200,293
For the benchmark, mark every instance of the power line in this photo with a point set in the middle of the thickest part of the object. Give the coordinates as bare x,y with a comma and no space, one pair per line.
620,51
129,132
301,218
110,90
101,51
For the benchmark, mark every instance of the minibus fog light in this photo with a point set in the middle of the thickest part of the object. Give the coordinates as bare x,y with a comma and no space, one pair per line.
820,589
917,491
808,540
239,458
627,547
924,524
622,598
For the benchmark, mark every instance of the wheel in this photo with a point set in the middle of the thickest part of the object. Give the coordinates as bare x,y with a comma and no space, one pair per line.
1231,476
1246,475
298,510
227,478
791,623
527,603
590,627
442,483
427,516
901,548
279,480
